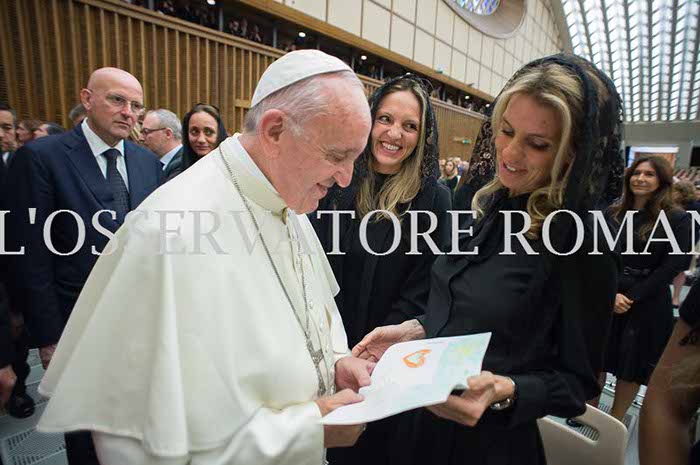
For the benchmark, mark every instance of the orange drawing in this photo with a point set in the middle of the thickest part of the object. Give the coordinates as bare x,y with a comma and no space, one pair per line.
416,359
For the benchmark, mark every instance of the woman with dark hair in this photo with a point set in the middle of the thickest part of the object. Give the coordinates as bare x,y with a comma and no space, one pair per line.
396,173
553,142
203,132
643,318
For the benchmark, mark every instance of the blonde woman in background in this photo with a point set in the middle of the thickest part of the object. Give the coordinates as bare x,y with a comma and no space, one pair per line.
450,178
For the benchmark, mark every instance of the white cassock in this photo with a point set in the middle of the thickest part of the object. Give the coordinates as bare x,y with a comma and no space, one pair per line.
196,356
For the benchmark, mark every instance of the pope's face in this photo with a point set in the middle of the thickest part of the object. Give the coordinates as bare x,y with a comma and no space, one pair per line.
324,152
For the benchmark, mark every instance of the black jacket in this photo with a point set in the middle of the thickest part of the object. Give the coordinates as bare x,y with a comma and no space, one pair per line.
386,289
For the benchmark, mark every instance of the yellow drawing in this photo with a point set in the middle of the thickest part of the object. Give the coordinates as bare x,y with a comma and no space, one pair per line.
416,359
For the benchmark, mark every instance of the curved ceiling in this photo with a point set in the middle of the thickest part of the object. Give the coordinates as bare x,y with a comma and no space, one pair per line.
648,47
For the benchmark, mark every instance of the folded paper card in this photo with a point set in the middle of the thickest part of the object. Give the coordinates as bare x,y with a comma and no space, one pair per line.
415,374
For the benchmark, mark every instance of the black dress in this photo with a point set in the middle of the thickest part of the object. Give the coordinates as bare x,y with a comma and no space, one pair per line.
639,336
549,342
380,290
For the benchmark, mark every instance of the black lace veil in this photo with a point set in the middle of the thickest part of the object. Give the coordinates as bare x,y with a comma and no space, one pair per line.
598,171
342,199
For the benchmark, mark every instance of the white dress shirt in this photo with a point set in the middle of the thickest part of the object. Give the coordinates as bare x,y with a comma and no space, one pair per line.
98,147
165,159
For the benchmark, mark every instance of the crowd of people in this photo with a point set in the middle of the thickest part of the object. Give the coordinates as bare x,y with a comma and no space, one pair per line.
174,358
242,26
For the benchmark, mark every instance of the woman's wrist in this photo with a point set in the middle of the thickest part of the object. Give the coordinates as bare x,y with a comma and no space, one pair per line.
505,388
506,393
413,330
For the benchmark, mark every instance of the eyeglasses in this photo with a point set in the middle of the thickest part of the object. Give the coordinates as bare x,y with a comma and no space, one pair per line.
146,131
115,100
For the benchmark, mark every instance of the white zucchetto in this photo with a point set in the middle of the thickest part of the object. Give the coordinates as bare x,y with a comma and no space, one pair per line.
293,67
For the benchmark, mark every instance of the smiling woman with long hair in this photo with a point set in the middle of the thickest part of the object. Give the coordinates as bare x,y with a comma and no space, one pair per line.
397,173
643,314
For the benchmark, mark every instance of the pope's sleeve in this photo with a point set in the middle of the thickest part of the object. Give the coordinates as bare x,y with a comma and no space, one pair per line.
292,436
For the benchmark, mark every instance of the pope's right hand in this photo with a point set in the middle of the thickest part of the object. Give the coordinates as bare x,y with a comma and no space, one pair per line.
335,435
373,345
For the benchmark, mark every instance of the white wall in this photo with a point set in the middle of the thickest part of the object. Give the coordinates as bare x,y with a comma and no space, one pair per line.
430,33
682,135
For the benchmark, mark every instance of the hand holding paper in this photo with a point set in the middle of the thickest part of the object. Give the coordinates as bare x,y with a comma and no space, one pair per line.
374,344
468,407
415,374
337,435
352,373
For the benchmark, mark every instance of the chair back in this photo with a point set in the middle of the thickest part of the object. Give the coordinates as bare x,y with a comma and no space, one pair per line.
566,446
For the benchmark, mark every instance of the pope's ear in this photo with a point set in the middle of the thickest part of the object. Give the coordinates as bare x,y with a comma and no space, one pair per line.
272,125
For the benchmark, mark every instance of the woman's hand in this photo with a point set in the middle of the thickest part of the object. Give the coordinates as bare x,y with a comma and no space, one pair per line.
467,408
622,303
373,345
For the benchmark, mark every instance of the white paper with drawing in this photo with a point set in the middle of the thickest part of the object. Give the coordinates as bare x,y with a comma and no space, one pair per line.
415,374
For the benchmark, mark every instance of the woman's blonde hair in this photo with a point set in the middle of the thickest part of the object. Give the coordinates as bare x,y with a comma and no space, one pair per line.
403,187
553,86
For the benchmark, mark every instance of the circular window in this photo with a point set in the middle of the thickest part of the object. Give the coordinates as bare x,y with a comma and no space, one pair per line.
480,7
493,17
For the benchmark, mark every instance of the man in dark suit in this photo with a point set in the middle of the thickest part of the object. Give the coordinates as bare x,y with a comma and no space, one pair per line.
8,379
8,141
14,347
161,132
98,176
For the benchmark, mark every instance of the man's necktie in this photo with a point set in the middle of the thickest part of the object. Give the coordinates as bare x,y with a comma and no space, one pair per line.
117,185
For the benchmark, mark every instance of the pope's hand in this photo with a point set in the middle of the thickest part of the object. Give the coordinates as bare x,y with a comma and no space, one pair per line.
373,345
7,383
468,407
339,436
353,373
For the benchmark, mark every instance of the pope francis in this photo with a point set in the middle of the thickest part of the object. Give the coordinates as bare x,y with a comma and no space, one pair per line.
207,332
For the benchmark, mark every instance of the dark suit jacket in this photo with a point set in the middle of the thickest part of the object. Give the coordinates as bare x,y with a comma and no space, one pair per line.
7,353
174,167
61,173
